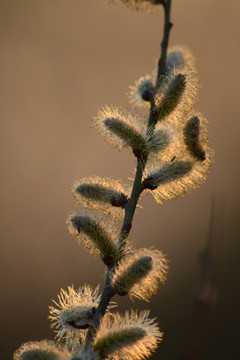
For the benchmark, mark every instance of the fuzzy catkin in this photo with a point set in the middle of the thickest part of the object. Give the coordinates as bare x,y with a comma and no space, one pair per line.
140,283
184,99
167,173
130,337
113,342
74,311
101,193
179,56
171,96
133,274
125,130
97,192
182,185
41,350
128,134
141,92
120,128
191,133
94,236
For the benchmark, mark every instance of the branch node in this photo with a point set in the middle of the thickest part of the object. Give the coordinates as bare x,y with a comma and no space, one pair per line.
108,260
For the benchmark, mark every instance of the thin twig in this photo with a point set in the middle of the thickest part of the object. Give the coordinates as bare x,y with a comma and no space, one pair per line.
131,206
107,294
164,43
153,116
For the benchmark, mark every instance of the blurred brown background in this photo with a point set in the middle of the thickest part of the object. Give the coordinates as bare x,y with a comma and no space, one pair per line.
60,61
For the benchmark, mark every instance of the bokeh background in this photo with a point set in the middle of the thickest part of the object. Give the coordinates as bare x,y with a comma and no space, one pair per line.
60,61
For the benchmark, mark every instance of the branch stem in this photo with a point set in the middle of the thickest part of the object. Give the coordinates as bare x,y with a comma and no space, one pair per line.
164,43
130,208
107,294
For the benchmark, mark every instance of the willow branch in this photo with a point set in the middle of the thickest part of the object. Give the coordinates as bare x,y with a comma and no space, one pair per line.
137,188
